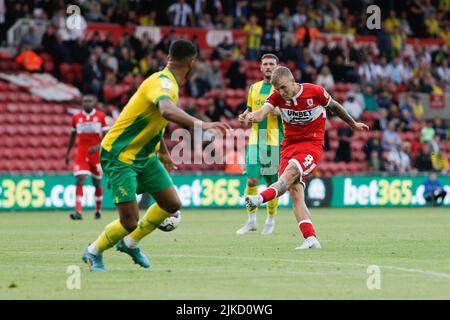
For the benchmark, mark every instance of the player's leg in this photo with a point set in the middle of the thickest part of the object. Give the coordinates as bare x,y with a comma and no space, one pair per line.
98,197
155,180
80,181
289,176
250,189
167,204
303,216
123,185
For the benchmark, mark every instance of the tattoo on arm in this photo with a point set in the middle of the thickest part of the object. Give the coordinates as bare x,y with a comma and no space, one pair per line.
337,109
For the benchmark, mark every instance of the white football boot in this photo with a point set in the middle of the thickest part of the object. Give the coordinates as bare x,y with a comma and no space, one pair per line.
253,202
309,243
248,227
268,228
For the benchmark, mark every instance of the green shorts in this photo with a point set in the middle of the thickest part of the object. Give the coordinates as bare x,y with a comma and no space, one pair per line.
262,161
126,180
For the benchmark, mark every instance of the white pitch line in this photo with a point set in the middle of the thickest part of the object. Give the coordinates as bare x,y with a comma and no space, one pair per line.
419,271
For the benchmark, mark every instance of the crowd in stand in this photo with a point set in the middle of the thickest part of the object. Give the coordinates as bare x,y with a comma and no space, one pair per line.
290,29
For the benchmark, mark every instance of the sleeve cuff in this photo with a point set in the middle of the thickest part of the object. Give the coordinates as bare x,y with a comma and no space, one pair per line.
162,97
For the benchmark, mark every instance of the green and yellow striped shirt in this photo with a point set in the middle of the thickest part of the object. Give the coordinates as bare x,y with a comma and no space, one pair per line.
137,133
269,131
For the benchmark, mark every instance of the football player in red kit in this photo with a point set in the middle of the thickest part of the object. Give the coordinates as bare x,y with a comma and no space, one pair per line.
89,126
303,110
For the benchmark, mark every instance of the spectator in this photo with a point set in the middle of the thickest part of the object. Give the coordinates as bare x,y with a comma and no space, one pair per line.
198,83
325,79
353,107
384,42
215,78
427,133
423,160
417,106
29,60
179,13
373,144
399,160
374,163
306,33
286,20
434,192
31,39
236,75
223,107
226,50
253,35
440,128
212,113
370,102
271,39
381,123
343,152
391,139
93,77
110,61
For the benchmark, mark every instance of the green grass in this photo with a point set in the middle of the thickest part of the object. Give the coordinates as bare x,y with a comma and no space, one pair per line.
204,259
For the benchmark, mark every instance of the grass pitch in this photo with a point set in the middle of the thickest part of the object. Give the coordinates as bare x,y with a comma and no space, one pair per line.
204,259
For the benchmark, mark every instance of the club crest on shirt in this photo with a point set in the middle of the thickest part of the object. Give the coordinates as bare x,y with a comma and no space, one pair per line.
310,102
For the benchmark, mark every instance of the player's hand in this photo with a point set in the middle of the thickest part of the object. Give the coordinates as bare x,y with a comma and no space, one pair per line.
359,126
166,160
216,126
242,116
252,117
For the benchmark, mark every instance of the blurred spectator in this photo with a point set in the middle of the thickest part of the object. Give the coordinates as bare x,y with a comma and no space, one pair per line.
30,39
287,20
399,160
343,152
434,192
179,13
306,33
271,38
110,61
198,83
391,139
373,144
417,107
427,133
253,35
215,78
353,107
423,160
223,107
226,50
375,163
93,77
325,79
370,102
381,123
384,42
29,60
439,162
212,113
440,128
236,75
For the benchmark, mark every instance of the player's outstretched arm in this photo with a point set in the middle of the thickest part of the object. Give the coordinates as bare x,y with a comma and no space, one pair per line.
172,113
340,111
259,115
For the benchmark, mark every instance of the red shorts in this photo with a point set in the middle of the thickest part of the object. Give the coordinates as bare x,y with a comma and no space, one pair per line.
88,164
306,155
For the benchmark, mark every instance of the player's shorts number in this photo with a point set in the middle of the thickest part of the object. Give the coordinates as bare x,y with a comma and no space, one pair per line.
308,160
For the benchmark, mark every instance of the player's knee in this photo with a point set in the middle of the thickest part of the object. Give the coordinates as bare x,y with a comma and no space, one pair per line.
252,182
172,206
129,224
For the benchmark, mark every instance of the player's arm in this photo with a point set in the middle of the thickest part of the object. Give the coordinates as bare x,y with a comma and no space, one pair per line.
337,109
164,156
172,113
73,136
259,115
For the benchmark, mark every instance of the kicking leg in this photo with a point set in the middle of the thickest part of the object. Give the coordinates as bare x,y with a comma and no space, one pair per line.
290,175
251,225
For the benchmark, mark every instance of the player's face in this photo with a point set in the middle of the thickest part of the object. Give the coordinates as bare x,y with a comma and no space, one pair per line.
286,87
88,104
267,67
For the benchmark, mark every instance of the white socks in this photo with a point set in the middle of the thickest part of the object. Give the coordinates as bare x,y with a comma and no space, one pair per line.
270,220
252,217
92,249
130,242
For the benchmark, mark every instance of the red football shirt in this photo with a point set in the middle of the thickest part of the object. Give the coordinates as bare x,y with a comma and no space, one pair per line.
304,114
89,128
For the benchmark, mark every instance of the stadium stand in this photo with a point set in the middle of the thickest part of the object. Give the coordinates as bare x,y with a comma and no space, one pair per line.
378,68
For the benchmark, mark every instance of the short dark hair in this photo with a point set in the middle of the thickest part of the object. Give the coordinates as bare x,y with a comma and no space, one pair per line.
181,49
270,56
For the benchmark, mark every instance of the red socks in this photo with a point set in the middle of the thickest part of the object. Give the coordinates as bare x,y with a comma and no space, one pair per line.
78,199
307,228
98,199
269,194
